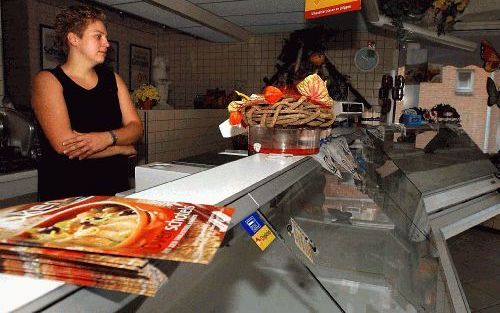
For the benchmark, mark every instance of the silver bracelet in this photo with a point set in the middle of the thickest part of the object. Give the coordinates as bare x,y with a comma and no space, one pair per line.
113,137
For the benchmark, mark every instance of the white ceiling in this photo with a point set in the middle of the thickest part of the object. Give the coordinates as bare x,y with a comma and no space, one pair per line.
482,11
259,16
230,20
238,20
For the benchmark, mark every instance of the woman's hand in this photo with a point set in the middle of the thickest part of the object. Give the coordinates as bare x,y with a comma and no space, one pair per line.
82,146
129,151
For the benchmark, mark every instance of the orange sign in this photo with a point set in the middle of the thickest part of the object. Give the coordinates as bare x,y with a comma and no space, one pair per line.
321,8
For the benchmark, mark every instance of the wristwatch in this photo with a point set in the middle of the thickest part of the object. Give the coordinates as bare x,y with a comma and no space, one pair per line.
113,137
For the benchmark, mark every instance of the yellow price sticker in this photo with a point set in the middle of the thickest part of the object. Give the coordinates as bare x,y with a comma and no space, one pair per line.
263,237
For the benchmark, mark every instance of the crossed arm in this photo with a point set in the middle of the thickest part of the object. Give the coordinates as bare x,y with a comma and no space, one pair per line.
50,109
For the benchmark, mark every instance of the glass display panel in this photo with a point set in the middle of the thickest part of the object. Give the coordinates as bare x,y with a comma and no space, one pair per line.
475,254
364,255
242,278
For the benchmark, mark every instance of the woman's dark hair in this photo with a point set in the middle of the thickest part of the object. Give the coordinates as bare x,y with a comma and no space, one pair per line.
75,19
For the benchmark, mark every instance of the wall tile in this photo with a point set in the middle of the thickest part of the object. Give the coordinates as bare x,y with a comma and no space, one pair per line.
197,65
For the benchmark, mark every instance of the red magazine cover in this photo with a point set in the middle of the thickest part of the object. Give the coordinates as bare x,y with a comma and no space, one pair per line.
75,256
144,281
119,226
141,287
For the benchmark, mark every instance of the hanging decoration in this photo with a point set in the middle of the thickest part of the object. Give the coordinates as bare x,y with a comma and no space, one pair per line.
446,13
490,57
493,93
303,54
404,11
441,14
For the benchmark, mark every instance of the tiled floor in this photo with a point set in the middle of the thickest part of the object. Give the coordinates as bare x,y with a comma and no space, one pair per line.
476,254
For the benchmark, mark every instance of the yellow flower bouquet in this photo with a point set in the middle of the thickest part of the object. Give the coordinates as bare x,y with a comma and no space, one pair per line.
146,96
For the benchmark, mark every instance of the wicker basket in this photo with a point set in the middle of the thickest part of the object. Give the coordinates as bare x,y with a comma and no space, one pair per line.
288,113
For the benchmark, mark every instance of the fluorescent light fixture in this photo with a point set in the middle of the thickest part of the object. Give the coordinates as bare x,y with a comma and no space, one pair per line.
199,15
430,35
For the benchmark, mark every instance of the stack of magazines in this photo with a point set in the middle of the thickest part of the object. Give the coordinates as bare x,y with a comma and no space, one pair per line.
106,242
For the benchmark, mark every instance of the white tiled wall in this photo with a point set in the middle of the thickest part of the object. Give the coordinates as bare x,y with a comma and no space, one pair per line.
176,134
197,65
344,45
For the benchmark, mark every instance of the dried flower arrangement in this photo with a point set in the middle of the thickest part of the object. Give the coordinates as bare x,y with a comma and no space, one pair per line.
307,105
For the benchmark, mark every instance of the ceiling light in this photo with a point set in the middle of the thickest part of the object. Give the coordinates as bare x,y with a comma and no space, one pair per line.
430,34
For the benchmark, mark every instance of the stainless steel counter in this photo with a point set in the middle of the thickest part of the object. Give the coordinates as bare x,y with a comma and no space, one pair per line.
368,257
18,184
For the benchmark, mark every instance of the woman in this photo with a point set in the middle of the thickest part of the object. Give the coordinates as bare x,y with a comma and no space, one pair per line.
88,121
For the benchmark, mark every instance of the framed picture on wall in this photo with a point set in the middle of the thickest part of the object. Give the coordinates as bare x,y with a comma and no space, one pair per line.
140,66
51,50
112,56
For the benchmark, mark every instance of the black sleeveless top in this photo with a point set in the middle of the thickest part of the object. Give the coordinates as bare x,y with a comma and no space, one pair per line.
94,110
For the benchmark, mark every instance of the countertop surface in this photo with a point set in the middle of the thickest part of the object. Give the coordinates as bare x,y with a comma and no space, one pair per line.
18,175
215,185
210,159
22,290
208,187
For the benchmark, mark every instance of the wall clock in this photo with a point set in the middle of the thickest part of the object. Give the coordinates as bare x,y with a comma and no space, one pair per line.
366,59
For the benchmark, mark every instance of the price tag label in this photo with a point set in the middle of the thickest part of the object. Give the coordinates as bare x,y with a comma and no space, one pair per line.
302,241
258,230
263,237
